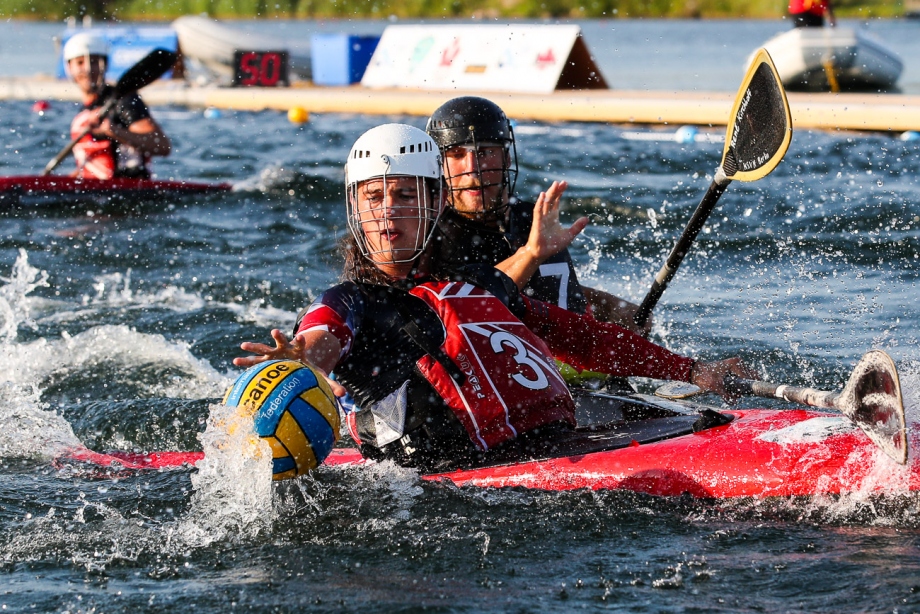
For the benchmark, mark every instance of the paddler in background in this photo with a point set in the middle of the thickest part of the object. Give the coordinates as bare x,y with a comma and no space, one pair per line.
121,144
811,13
486,223
450,367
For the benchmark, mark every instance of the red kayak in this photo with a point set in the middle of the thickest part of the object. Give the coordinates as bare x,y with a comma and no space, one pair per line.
760,453
30,191
672,448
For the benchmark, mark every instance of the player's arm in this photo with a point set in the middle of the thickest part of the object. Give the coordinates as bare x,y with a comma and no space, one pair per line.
144,135
315,347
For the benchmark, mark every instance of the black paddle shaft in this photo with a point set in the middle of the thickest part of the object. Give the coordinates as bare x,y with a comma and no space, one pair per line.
694,226
150,68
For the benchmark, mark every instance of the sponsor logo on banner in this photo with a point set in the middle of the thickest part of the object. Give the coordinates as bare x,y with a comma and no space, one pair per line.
513,58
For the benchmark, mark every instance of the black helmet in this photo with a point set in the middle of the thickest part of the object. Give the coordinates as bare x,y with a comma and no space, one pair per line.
470,120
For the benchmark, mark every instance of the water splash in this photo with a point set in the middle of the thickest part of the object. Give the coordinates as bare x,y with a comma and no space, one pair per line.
112,349
233,486
29,429
15,307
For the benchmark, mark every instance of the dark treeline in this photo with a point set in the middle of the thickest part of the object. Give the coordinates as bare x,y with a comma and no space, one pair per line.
131,10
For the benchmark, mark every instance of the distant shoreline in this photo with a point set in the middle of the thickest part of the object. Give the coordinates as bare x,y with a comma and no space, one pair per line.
167,10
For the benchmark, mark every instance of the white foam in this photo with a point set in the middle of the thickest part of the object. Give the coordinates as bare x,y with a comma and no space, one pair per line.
15,307
29,429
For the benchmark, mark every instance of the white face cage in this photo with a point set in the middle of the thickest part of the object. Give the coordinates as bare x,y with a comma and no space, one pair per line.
394,216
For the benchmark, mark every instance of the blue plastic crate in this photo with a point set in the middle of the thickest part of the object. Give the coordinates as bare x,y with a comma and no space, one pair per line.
340,59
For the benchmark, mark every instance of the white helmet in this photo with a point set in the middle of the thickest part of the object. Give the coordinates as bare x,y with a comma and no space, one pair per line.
387,152
392,149
85,44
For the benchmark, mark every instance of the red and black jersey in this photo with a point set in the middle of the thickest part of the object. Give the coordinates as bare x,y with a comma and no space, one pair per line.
101,158
487,357
812,7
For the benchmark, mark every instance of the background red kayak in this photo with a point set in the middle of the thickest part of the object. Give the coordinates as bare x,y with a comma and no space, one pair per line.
32,190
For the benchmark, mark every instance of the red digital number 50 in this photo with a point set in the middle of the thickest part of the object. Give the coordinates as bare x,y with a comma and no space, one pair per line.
262,69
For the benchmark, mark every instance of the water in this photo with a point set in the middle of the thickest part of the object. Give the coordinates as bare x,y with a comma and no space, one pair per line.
118,332
641,54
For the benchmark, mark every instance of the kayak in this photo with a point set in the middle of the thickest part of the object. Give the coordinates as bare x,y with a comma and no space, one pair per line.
34,191
676,448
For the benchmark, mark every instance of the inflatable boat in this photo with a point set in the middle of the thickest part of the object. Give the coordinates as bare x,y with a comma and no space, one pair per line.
833,59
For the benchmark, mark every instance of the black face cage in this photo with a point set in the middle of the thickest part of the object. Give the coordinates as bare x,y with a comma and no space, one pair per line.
427,209
509,173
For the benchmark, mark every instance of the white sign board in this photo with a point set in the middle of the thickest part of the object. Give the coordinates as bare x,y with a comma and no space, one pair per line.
514,58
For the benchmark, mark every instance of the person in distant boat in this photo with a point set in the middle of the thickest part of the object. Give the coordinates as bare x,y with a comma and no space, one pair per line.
450,366
122,143
811,13
486,223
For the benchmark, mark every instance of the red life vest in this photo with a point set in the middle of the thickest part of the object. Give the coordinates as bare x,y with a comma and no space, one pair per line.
95,157
512,384
815,7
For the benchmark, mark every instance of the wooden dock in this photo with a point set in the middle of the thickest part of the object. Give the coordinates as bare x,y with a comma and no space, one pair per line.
871,112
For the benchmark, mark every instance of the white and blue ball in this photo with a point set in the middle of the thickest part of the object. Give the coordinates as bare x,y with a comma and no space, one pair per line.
294,411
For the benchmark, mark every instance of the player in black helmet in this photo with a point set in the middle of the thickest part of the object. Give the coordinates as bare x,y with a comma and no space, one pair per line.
487,224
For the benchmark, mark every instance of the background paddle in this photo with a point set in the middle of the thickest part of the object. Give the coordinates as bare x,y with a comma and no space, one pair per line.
871,399
150,68
758,136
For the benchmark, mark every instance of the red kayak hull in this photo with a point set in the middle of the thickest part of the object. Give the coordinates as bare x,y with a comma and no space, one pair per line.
31,190
762,453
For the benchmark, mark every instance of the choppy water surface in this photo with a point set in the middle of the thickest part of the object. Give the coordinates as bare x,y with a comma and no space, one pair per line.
118,331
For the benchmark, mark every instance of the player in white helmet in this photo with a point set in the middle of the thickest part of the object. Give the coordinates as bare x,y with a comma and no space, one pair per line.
122,143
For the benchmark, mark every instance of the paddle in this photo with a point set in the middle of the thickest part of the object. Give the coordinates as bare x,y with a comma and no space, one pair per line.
871,399
758,136
150,68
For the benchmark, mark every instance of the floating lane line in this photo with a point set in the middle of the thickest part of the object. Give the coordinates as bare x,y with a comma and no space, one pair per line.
869,112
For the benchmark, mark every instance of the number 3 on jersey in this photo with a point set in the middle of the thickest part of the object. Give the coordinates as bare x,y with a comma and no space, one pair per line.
530,369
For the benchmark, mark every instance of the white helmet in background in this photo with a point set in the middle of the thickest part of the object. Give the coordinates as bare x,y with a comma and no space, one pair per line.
388,152
85,44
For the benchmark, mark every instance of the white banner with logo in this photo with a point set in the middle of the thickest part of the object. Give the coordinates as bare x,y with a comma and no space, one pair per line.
514,58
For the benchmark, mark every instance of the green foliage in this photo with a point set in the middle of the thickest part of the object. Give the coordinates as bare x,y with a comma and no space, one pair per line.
305,9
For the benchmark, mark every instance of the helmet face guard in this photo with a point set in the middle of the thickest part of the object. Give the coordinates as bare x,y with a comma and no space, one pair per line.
477,124
393,217
393,193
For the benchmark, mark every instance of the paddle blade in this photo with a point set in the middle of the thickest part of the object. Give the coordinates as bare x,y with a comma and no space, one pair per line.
761,126
150,68
872,399
677,390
